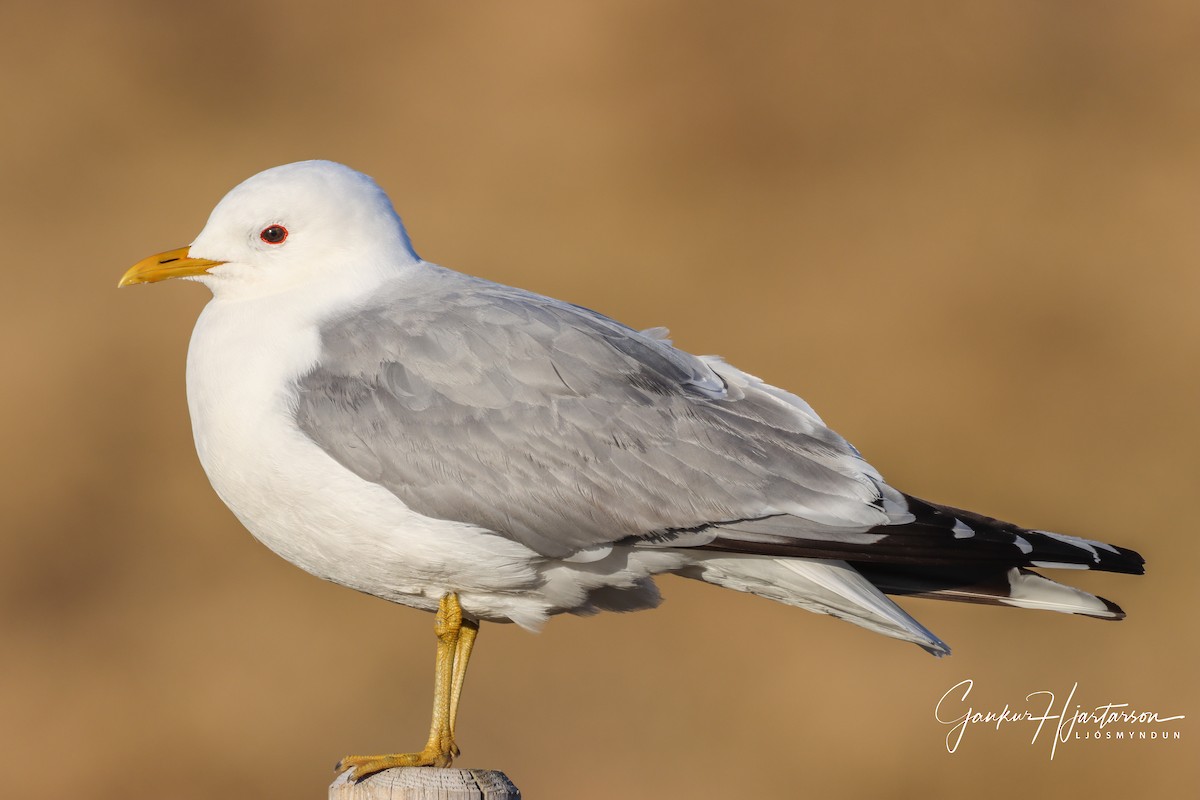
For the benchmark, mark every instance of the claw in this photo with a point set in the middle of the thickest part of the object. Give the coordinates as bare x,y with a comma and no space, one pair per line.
365,766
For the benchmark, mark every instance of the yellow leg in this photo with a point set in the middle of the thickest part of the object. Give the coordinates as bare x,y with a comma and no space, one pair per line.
455,637
462,654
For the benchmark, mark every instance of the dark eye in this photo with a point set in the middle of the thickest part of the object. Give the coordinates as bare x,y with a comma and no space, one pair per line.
275,234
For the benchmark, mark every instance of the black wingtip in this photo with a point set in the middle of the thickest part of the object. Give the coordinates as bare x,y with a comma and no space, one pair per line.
1137,564
1115,612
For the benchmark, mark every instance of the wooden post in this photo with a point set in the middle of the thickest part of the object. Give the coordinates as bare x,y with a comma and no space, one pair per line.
426,783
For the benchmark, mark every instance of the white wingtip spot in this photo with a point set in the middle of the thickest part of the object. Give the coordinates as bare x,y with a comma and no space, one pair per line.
962,530
1027,590
1022,544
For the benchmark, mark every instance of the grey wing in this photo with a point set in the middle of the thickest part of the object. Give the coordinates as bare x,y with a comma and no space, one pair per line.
564,430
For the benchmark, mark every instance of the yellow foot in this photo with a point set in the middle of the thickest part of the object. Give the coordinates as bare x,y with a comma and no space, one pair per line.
369,765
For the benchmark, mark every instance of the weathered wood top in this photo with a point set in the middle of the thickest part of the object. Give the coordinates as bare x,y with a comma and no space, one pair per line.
426,783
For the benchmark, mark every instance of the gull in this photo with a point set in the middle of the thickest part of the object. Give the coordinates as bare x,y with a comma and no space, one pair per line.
490,454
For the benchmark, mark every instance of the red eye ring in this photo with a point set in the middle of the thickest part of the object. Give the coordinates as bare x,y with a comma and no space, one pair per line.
273,234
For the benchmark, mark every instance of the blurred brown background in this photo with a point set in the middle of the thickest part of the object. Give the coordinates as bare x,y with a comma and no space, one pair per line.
967,235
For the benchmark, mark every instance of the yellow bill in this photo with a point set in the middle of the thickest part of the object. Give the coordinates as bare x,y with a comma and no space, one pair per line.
171,264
